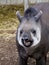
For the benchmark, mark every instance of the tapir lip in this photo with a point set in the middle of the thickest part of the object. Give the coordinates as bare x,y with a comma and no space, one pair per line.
27,43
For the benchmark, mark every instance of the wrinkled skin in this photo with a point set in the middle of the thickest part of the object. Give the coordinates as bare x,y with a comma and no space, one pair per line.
33,34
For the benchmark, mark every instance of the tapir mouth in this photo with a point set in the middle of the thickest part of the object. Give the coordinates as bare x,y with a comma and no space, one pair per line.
27,43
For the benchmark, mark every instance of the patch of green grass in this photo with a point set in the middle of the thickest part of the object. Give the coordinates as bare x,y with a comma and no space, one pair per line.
8,19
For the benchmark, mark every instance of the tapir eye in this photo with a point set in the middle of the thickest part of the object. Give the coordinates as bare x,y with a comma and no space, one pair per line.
34,32
21,32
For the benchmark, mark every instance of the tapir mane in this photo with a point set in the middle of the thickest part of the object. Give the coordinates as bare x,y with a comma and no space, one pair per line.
30,12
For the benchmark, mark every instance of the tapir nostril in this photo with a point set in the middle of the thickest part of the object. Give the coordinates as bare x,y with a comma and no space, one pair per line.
25,38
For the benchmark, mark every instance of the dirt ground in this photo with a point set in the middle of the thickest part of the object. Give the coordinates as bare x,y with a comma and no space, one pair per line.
8,51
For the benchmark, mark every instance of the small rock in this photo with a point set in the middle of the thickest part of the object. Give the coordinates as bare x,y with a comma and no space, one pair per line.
2,58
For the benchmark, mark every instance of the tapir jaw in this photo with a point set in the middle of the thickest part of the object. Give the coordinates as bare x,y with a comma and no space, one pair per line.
27,43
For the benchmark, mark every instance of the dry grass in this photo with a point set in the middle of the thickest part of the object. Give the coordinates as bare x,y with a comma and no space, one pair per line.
8,19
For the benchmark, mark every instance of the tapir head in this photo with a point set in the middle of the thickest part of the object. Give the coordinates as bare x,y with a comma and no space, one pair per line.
29,30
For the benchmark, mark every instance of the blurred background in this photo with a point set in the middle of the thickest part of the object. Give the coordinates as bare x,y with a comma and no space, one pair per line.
8,26
17,2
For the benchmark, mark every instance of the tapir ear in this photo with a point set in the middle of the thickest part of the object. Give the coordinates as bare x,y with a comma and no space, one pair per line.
18,15
37,17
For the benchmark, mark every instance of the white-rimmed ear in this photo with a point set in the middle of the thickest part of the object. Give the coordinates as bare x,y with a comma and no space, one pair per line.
18,15
37,17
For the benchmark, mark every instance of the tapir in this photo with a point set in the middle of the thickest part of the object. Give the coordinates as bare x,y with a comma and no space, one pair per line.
32,37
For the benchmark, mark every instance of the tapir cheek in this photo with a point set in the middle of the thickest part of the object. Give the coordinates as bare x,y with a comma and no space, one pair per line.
36,39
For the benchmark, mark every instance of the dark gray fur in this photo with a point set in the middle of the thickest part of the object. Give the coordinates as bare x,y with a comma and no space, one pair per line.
40,52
